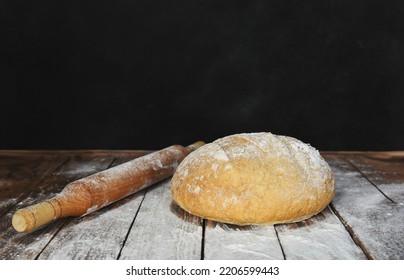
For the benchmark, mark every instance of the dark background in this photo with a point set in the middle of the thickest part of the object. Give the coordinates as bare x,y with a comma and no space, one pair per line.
148,74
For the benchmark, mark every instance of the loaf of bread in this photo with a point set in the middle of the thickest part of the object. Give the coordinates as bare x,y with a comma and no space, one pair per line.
254,179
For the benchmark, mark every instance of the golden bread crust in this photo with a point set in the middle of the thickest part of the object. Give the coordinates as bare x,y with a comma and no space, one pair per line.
256,178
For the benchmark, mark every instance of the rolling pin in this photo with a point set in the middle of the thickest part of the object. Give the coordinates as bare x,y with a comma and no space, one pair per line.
91,193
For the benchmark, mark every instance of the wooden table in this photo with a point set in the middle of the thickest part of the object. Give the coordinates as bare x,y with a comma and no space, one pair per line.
364,221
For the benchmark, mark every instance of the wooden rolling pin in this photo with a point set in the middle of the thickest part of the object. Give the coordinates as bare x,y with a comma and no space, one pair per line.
91,193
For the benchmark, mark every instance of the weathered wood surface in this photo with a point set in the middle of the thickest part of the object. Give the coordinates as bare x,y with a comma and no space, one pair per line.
365,220
224,241
386,172
20,176
322,237
163,231
373,218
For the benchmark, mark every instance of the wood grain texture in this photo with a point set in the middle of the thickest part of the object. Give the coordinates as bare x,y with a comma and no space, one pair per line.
385,171
19,176
28,246
374,221
230,242
322,237
162,231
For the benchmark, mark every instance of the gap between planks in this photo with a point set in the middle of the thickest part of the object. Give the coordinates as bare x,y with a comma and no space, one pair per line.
349,229
67,219
351,232
373,220
367,178
280,243
131,226
204,222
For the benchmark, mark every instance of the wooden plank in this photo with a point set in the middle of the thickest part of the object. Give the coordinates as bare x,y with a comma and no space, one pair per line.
322,237
163,231
375,222
99,235
226,242
28,246
384,170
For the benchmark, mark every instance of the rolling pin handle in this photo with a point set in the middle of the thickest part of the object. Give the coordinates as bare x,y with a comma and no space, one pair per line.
35,216
195,146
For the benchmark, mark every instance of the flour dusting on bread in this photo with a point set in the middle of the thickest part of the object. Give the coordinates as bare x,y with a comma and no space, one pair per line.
254,178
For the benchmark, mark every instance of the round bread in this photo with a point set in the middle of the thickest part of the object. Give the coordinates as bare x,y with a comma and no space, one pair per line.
254,179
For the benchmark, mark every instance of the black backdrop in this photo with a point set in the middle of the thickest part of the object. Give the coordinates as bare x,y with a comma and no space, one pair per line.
147,74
